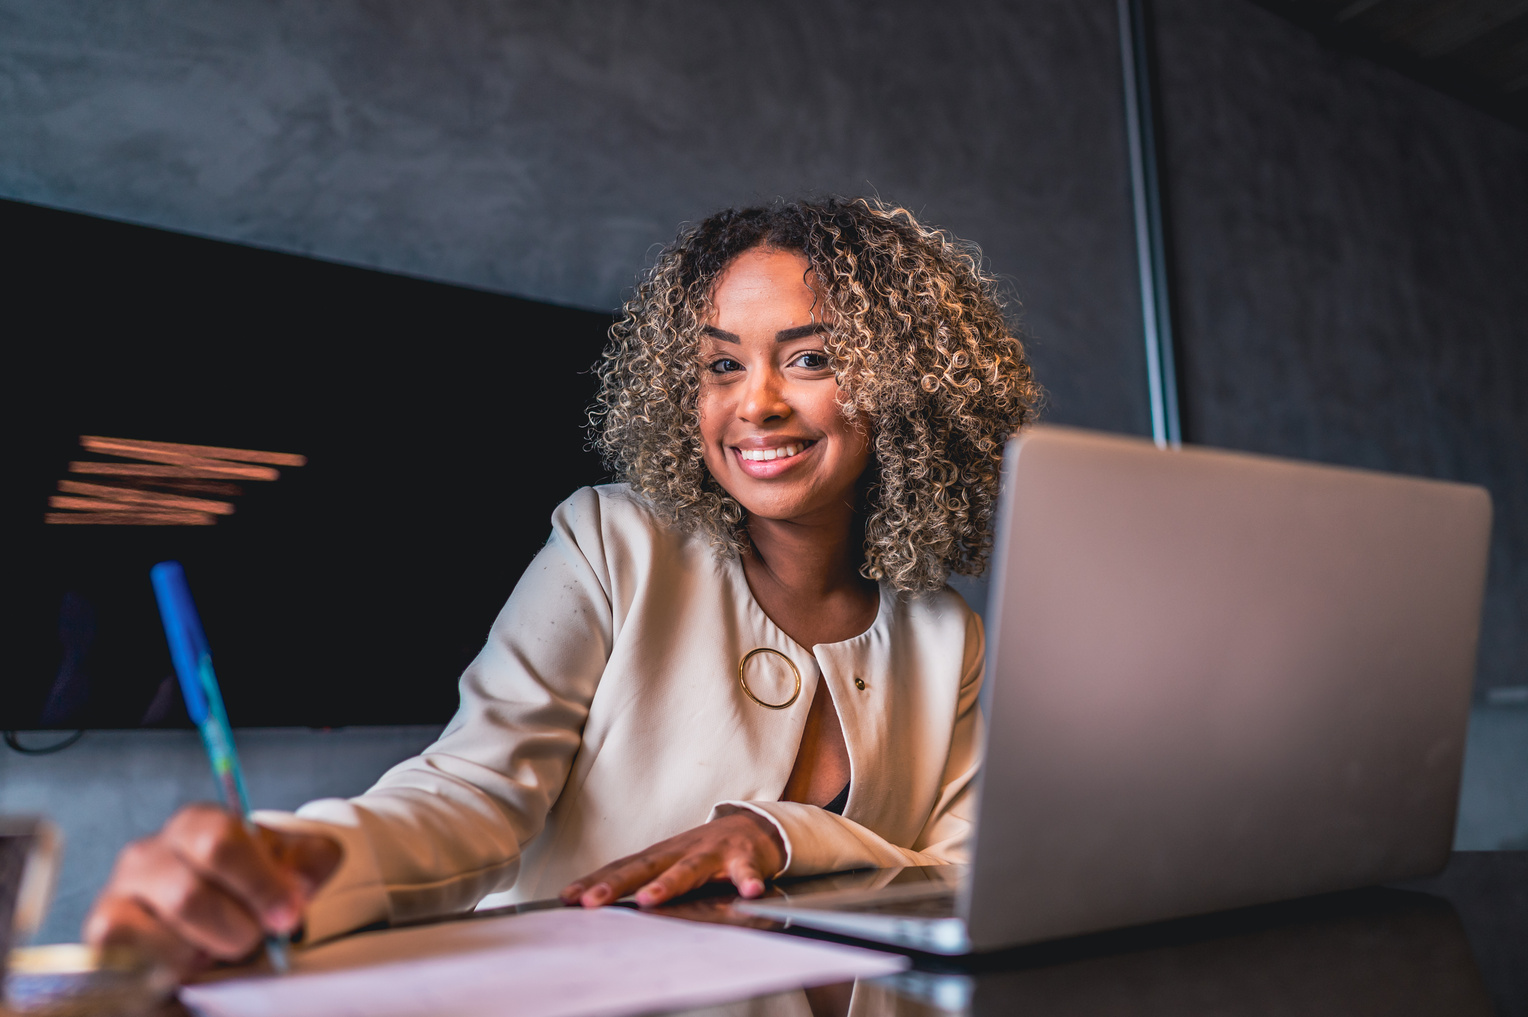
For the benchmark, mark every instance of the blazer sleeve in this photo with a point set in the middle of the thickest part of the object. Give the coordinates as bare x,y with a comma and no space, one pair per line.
819,841
441,830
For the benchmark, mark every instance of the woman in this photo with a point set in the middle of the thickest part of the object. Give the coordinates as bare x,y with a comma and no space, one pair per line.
742,662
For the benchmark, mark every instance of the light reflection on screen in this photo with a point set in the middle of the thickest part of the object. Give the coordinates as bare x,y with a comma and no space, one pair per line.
160,484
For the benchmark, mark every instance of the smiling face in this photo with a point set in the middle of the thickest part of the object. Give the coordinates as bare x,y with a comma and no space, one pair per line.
774,435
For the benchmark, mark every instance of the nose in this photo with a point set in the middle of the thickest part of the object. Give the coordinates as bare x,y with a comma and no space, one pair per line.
764,398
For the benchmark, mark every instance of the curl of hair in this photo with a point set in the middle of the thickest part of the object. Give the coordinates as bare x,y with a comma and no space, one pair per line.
921,350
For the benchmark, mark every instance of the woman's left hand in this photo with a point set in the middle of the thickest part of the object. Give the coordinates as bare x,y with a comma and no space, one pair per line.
742,847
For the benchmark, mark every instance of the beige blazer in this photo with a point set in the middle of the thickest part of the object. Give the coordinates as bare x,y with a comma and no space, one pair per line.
605,714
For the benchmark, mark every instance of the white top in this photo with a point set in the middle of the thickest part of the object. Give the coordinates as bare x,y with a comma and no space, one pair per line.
604,715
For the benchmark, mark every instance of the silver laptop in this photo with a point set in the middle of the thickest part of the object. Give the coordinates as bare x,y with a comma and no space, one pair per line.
1213,680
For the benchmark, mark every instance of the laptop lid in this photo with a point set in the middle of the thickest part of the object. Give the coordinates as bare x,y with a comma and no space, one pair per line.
1216,679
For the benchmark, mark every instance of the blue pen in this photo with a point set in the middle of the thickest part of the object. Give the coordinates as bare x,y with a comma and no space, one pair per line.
204,702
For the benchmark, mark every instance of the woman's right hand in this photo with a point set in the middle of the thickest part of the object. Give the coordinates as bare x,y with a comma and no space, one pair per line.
205,888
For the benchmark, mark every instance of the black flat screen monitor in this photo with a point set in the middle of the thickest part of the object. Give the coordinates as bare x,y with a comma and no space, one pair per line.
437,427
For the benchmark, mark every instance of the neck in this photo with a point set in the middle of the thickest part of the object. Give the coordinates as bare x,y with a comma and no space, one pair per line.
811,559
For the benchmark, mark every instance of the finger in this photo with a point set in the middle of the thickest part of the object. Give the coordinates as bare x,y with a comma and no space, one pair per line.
310,857
745,875
768,848
197,910
622,876
683,876
218,846
121,923
618,881
599,887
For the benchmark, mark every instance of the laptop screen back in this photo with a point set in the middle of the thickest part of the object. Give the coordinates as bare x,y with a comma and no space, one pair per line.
1216,679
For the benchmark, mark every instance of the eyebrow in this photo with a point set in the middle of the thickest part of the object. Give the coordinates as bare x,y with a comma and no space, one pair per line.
785,335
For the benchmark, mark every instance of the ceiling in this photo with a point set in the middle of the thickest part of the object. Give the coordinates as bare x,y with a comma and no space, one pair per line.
1476,50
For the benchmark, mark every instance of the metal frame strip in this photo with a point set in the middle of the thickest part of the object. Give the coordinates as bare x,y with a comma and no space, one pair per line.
1150,248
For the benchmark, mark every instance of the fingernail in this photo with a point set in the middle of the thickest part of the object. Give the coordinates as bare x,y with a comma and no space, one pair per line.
751,888
572,893
281,918
599,895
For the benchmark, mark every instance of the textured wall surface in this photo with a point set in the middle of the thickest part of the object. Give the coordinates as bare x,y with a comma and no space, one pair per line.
117,786
543,149
1349,245
1352,272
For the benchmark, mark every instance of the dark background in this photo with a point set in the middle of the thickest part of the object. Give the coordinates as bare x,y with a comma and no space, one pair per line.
1349,246
441,424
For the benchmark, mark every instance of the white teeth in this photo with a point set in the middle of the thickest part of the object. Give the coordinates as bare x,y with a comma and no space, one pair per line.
764,455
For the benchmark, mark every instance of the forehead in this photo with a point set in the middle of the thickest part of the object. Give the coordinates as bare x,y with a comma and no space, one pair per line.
766,287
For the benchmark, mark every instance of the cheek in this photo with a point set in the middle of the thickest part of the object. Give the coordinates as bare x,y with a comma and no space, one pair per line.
857,444
852,433
708,424
707,420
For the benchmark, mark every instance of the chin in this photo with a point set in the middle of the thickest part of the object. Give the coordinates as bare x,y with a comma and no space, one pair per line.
779,509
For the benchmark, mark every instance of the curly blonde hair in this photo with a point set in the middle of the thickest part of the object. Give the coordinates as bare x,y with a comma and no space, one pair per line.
920,348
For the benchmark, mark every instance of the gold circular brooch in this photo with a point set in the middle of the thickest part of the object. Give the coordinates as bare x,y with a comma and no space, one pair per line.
742,677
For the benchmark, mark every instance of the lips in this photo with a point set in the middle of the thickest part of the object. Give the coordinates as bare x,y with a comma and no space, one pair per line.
771,461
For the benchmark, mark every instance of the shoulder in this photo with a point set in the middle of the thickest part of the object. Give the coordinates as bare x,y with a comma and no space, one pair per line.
615,526
610,509
942,608
941,626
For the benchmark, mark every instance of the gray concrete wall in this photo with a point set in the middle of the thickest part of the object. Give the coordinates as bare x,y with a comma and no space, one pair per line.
1349,244
1352,272
1493,799
117,786
542,149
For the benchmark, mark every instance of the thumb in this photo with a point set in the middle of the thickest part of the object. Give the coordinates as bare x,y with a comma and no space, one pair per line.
310,858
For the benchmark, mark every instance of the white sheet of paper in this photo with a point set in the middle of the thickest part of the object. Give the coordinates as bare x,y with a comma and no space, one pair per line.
560,963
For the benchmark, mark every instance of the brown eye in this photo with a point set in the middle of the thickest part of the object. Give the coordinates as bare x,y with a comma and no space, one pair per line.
724,365
813,361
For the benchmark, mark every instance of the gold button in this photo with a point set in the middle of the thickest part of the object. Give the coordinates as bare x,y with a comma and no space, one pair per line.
859,683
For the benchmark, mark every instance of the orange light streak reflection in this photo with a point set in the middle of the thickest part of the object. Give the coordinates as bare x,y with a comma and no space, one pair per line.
130,518
158,489
133,448
135,496
199,462
211,469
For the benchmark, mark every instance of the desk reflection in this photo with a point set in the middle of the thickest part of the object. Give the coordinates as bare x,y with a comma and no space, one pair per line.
1377,951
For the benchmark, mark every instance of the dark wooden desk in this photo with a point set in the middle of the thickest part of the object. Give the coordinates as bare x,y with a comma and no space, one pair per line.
1456,945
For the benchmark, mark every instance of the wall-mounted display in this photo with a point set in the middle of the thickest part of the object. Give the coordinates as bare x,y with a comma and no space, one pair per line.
353,466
